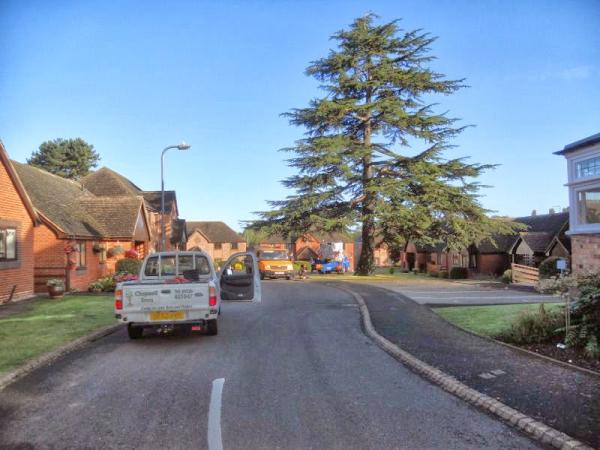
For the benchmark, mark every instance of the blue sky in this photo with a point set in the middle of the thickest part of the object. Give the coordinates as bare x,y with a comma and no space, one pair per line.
132,77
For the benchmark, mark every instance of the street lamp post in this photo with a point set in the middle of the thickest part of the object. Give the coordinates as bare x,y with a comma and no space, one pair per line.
182,146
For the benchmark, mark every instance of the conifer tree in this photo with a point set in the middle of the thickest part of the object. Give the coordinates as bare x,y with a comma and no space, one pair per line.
67,158
357,162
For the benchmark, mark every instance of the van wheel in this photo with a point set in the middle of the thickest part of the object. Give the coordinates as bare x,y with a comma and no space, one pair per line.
262,276
134,332
211,328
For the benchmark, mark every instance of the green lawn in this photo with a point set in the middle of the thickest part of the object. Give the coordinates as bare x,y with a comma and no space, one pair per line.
50,324
487,320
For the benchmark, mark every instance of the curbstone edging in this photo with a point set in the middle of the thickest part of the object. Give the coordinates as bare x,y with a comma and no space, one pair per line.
49,357
535,429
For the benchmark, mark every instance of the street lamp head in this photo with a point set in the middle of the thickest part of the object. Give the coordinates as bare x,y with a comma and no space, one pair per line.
183,146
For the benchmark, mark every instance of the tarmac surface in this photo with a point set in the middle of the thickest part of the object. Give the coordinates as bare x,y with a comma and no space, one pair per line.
561,397
449,293
293,372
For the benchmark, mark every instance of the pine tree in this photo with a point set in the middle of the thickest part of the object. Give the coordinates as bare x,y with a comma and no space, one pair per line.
68,158
351,165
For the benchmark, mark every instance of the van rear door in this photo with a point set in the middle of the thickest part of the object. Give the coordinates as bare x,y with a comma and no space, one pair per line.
240,279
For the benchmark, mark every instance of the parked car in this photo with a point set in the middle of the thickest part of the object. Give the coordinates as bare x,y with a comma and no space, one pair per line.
182,290
275,264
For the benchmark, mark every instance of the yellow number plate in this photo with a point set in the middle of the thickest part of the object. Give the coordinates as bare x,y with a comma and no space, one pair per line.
167,315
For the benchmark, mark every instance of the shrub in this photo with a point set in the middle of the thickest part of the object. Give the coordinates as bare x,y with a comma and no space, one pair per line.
415,271
95,286
534,327
392,270
458,273
434,274
548,267
507,276
443,274
128,265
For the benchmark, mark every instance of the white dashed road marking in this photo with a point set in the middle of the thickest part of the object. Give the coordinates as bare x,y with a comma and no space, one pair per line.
214,415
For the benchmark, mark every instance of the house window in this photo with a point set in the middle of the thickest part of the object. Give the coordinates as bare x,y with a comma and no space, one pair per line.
234,246
80,255
587,168
588,206
218,246
8,244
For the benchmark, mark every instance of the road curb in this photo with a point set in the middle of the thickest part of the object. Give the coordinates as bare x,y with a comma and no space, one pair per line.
535,429
51,356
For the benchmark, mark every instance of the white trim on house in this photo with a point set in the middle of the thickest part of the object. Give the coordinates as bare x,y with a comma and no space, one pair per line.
577,185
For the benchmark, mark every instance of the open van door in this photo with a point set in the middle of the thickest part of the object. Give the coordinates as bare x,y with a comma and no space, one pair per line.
240,279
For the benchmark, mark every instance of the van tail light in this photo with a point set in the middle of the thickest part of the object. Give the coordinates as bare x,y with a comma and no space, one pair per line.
119,299
212,296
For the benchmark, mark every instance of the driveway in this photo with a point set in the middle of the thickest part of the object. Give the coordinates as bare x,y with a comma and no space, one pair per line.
294,372
452,293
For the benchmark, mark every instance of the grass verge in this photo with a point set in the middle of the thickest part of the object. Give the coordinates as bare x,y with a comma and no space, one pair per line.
49,324
488,320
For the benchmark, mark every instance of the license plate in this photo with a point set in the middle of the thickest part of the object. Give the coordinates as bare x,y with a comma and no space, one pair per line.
167,315
278,273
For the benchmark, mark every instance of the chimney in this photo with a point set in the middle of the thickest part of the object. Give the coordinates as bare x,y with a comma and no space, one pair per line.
534,213
551,211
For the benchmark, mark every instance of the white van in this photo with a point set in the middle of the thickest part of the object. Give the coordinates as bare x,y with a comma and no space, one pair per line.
182,290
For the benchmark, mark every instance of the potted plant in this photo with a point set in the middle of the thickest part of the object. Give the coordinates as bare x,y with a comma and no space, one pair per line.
116,250
98,248
56,287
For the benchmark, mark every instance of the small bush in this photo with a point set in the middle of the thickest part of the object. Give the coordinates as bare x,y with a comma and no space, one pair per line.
459,273
128,265
434,274
443,274
534,327
391,270
548,267
507,276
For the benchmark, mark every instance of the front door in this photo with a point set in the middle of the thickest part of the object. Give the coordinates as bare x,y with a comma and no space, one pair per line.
240,279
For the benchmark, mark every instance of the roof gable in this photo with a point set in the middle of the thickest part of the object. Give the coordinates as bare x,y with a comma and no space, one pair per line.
214,231
17,183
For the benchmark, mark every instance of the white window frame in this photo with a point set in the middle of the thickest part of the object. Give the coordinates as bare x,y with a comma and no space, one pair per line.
577,185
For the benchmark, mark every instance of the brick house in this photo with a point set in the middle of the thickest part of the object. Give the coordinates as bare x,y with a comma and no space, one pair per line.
73,218
108,183
17,221
583,168
440,257
215,238
546,235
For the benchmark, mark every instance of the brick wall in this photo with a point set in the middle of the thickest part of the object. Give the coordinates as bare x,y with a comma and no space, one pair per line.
13,213
585,253
223,253
493,263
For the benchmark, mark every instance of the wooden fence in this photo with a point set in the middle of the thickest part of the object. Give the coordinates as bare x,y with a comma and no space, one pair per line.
42,274
524,274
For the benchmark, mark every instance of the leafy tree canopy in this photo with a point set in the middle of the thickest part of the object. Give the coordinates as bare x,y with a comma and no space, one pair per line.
373,150
67,158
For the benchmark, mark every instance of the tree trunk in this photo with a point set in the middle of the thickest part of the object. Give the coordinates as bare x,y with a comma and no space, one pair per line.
365,263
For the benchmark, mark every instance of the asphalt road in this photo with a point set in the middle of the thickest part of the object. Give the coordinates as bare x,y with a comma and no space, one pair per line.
293,372
455,294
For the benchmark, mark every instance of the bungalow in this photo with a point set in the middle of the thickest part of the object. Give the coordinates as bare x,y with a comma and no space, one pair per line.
108,183
81,235
583,168
545,236
441,258
215,238
17,221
